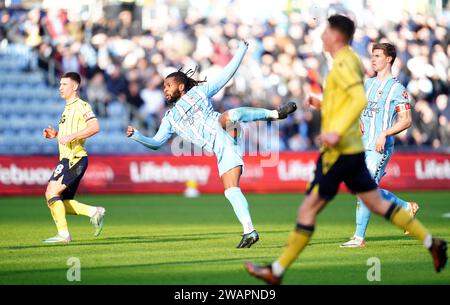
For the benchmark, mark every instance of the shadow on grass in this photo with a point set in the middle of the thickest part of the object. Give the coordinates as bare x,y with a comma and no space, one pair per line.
401,241
168,263
128,240
175,237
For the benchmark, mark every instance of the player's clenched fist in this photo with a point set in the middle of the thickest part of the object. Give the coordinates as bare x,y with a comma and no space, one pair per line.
130,131
313,101
49,132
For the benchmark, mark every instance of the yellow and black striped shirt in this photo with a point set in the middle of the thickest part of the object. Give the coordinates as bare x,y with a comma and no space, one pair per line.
73,119
344,99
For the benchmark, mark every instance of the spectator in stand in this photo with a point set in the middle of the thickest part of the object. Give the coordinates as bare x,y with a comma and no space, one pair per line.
98,94
154,103
285,59
116,83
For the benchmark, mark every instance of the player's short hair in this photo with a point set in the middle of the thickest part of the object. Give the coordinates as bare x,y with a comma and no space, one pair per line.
73,76
388,50
186,78
344,25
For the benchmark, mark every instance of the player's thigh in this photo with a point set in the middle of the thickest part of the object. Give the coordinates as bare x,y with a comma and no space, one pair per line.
55,188
326,183
358,178
372,199
74,177
376,164
55,184
65,179
309,208
229,156
231,177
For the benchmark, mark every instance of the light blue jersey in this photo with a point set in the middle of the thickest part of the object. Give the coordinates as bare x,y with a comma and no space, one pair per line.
385,98
193,117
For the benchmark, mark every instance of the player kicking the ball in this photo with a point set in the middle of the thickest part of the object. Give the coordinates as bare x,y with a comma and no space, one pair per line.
193,118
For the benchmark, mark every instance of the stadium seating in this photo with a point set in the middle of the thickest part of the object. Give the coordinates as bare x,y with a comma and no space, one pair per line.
28,104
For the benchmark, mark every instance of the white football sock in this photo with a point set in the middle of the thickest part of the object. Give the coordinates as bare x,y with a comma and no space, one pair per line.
277,269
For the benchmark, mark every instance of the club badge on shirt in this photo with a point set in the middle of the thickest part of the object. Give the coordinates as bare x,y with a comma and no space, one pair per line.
405,95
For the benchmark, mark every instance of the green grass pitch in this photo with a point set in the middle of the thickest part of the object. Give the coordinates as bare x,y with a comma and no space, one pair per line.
169,239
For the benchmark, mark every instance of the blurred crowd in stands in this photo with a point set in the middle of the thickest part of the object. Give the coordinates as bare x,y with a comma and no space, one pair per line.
123,61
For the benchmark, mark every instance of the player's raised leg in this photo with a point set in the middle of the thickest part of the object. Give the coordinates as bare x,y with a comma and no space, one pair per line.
96,213
251,114
234,195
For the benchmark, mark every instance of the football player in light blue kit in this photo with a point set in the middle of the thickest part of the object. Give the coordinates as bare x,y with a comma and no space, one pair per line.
387,99
193,118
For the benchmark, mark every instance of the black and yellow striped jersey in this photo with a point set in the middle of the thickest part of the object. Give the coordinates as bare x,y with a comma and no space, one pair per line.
74,118
344,99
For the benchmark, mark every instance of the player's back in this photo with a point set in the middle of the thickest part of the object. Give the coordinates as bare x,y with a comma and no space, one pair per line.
194,119
383,96
337,103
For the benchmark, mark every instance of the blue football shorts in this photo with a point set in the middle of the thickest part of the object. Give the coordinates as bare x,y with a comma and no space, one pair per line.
377,163
228,151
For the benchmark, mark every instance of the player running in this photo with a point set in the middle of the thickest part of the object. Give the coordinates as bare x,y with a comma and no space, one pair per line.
193,118
76,124
342,159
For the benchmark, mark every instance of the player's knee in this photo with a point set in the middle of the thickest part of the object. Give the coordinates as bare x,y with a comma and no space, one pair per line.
53,199
50,193
306,211
223,119
373,205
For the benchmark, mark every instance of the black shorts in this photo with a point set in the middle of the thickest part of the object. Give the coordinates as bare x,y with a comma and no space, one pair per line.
350,169
71,176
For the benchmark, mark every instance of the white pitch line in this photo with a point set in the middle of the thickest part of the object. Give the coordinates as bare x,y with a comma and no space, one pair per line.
446,215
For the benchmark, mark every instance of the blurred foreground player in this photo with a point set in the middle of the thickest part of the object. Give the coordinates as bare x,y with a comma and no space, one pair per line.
342,158
76,124
193,118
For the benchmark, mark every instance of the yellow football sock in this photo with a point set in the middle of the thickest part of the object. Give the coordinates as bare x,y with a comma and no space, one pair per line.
77,208
59,215
297,241
401,218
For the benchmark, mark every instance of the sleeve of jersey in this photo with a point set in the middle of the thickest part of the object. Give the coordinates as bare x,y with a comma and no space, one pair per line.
164,133
351,80
214,86
86,112
401,100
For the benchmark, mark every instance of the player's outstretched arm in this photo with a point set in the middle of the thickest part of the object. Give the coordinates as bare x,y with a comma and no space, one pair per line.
164,133
212,87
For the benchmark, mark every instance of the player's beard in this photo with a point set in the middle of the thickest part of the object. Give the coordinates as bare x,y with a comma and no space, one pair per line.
174,97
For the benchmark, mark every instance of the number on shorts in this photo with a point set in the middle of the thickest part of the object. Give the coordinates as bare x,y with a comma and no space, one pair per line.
59,169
